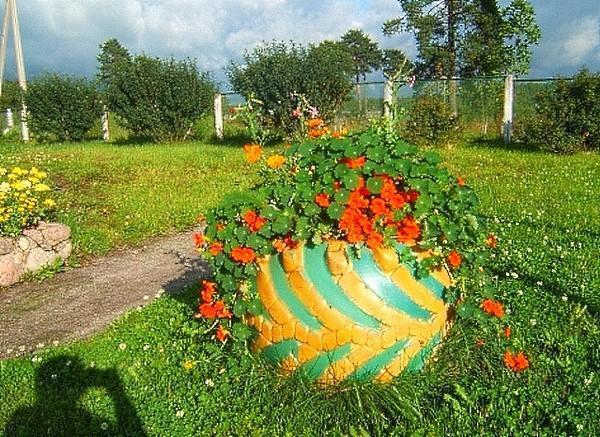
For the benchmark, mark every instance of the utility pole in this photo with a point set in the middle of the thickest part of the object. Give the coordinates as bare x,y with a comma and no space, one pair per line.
11,19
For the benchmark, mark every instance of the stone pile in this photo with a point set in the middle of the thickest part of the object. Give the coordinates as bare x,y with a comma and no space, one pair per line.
35,248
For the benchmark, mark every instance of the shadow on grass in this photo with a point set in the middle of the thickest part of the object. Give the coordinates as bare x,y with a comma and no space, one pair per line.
60,384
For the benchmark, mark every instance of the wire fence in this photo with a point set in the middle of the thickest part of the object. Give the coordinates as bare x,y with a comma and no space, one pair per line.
480,101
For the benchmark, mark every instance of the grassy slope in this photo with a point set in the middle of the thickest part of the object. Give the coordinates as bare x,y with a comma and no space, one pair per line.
115,195
545,211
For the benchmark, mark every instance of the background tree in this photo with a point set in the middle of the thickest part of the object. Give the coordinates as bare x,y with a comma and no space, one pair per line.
276,72
62,108
159,99
365,53
463,37
395,64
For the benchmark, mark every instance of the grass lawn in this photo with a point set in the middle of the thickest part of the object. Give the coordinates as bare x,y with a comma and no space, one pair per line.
116,195
151,371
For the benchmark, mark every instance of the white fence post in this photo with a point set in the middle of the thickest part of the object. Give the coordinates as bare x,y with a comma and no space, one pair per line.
388,97
105,125
507,120
10,120
219,115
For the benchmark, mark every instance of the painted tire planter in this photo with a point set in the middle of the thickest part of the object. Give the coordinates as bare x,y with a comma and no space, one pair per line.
335,316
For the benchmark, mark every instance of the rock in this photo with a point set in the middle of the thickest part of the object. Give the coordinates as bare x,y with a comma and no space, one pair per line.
7,244
64,249
35,235
24,243
55,233
38,258
10,272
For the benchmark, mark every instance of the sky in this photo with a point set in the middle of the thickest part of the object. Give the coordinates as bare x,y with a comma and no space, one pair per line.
63,36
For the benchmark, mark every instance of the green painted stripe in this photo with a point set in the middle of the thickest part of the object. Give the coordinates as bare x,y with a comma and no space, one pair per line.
319,364
376,364
282,289
278,351
317,272
418,361
385,288
430,282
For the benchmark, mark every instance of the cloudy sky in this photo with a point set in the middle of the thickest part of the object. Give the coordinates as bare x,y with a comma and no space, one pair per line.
63,35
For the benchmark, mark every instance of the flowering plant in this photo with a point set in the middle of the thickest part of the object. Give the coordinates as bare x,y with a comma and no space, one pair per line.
24,199
369,189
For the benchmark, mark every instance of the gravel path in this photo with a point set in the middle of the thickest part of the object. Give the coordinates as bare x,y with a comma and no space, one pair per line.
80,301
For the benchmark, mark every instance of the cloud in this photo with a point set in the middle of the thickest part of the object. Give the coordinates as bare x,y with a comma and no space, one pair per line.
64,35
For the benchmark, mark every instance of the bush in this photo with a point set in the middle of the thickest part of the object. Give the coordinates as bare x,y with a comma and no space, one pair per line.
62,108
24,199
281,76
567,116
159,99
430,122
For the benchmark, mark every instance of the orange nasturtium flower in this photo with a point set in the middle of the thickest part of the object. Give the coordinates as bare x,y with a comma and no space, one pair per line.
315,123
275,161
493,308
254,221
454,259
460,181
243,255
355,162
507,332
408,230
216,248
199,239
322,199
221,334
516,362
208,291
279,245
252,152
491,241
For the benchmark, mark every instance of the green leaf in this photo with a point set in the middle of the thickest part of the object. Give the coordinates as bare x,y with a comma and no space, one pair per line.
239,308
335,211
241,331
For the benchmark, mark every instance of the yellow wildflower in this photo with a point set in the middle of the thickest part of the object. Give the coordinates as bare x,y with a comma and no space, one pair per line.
49,203
275,161
42,187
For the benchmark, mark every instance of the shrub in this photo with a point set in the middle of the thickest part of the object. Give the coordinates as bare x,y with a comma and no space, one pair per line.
430,122
24,199
62,108
159,99
567,116
281,76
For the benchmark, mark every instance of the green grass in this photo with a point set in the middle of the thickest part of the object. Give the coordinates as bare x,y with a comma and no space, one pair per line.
117,195
545,210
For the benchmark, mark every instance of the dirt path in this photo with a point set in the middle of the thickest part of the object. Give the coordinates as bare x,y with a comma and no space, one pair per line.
77,302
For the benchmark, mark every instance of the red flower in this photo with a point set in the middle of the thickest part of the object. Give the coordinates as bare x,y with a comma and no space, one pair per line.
374,240
216,248
199,239
412,196
221,334
254,221
460,181
507,332
480,342
243,255
208,291
207,310
516,362
408,230
378,207
493,308
322,199
290,242
491,241
220,227
355,162
221,310
454,259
